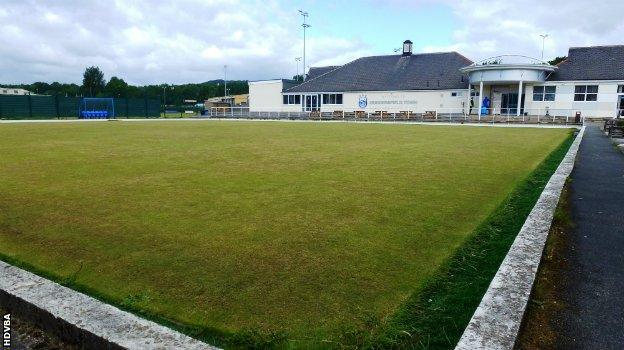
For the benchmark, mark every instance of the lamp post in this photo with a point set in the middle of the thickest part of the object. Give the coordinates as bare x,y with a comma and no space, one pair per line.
297,59
305,26
165,97
544,36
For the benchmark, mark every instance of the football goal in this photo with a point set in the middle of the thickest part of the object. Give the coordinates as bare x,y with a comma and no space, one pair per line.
96,108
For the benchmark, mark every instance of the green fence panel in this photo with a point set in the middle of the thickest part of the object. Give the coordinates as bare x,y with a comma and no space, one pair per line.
68,107
153,108
14,107
121,108
49,107
43,107
136,108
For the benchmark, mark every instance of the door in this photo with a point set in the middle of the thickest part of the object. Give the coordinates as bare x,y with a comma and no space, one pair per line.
620,107
312,103
509,103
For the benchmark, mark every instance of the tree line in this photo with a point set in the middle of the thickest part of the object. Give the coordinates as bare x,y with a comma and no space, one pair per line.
95,85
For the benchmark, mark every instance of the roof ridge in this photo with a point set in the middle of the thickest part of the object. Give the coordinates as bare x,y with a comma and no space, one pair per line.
333,70
595,46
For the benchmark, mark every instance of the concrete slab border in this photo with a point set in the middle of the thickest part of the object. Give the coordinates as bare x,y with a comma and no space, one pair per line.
81,319
496,322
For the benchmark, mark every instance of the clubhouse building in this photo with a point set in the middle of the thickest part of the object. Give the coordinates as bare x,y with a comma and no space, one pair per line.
589,81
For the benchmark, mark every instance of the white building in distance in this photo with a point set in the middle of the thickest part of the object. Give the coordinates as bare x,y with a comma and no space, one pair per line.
13,91
589,81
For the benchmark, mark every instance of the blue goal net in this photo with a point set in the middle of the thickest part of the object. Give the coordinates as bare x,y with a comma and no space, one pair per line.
96,108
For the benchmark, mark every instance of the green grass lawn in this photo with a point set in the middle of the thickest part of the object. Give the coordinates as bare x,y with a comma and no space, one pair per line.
301,229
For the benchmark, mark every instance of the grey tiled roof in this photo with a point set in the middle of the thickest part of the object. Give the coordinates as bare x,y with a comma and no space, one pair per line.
592,63
317,71
428,71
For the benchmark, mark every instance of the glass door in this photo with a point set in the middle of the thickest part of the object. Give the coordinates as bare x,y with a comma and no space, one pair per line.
312,103
509,103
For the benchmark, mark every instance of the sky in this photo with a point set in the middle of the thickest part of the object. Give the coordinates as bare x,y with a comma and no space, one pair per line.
190,41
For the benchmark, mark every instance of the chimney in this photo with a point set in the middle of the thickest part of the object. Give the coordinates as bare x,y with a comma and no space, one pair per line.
407,48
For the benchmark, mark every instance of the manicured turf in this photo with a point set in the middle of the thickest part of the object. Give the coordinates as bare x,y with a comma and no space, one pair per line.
303,229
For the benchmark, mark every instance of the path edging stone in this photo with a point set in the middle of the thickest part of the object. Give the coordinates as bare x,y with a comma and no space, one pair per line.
496,322
81,319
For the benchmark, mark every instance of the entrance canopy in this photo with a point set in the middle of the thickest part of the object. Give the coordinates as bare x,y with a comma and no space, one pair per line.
508,69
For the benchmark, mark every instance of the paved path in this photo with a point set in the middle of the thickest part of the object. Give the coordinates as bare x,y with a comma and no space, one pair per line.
593,280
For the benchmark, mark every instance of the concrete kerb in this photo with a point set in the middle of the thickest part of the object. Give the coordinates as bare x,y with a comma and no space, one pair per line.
81,319
496,322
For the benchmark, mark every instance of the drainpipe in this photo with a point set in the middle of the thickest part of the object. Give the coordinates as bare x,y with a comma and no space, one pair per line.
519,98
467,111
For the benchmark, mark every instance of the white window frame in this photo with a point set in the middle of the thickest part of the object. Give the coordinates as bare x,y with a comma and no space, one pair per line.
585,94
291,99
332,98
542,95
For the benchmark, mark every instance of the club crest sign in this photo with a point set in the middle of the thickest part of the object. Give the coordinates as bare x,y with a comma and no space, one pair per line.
363,101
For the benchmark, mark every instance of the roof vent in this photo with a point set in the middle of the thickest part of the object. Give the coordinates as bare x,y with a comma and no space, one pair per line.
407,48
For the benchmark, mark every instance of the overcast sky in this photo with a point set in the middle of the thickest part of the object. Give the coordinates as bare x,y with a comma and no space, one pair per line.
158,41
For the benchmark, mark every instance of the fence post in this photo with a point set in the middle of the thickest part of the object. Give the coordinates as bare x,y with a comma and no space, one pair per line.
56,106
29,106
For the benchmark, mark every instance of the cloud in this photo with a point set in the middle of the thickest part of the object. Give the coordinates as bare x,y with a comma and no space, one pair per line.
514,27
158,41
147,41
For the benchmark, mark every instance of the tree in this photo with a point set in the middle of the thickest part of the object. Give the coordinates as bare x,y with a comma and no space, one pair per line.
558,60
116,87
93,81
298,77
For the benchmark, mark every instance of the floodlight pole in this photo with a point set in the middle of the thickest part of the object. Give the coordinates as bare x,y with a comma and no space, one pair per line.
305,26
225,80
297,59
544,36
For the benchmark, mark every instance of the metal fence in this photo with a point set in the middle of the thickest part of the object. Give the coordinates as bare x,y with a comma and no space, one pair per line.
448,115
59,107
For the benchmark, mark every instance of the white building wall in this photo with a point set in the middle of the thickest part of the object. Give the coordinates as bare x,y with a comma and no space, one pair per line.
564,104
396,101
265,96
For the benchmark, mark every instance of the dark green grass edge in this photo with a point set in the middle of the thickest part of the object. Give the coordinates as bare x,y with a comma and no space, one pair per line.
434,317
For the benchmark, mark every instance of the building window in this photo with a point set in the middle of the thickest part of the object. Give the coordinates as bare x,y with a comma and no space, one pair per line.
544,93
620,89
474,93
586,93
291,99
332,99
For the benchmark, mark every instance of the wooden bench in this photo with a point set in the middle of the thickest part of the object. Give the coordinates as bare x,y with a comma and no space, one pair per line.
360,115
429,115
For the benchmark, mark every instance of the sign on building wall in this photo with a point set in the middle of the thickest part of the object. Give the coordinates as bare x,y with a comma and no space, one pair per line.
363,101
